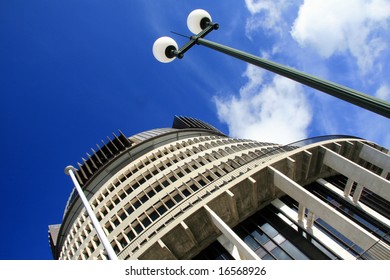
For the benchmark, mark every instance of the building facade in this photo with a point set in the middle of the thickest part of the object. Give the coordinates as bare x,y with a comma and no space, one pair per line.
191,192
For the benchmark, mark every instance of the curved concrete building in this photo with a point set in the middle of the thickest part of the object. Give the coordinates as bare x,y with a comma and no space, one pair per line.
191,192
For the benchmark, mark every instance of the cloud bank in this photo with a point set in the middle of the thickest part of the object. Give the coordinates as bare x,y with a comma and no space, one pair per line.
273,111
348,40
265,14
354,26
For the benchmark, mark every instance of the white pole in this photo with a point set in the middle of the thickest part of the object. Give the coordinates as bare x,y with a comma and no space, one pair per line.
69,170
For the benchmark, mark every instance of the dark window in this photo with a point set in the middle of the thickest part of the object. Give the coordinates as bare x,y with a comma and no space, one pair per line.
144,199
146,222
169,203
129,209
123,215
109,227
116,201
153,215
178,198
128,189
165,183
130,235
123,195
123,242
151,193
202,183
186,192
194,187
116,249
136,204
138,228
162,209
116,222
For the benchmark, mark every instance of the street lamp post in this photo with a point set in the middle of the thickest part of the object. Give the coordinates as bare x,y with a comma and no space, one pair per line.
70,170
199,22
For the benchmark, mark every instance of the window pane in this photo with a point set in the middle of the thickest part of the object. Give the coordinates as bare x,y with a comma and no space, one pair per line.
280,254
260,236
251,242
270,230
267,257
261,252
294,251
178,198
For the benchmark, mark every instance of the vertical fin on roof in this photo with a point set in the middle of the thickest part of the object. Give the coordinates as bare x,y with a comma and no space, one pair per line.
102,156
181,122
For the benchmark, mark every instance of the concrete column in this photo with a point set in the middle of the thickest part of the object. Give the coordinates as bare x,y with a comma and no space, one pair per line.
310,220
243,249
229,246
307,157
348,187
374,214
290,167
338,221
327,241
357,193
362,176
253,193
301,213
232,205
165,252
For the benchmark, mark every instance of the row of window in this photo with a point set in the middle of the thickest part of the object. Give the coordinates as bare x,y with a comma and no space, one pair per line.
115,193
165,180
158,209
81,230
268,235
375,227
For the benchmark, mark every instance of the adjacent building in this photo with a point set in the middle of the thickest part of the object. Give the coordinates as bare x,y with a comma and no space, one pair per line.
191,192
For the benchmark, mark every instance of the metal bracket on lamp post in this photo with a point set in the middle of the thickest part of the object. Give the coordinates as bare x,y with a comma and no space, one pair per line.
193,41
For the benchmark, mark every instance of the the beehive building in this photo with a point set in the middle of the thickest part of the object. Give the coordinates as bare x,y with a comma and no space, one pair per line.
191,192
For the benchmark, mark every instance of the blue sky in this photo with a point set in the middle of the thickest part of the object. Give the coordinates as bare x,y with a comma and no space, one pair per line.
73,72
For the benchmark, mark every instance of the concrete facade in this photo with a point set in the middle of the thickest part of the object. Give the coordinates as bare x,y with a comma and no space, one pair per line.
171,194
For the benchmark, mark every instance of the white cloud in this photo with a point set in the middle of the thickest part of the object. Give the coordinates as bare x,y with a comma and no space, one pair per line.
266,14
275,109
353,26
275,112
383,92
